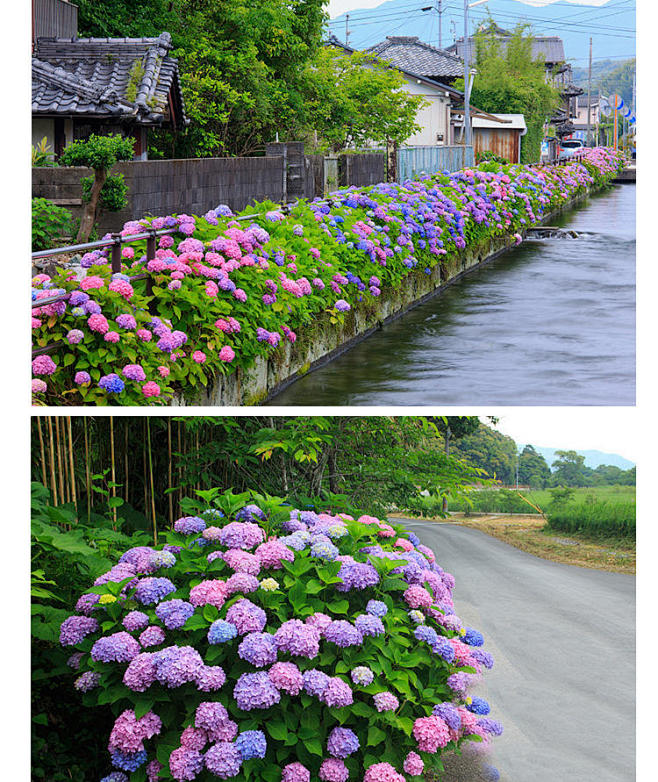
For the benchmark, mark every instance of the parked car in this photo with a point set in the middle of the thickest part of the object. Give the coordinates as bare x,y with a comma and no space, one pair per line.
569,147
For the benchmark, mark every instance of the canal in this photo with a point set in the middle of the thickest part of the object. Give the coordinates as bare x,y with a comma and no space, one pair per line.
551,322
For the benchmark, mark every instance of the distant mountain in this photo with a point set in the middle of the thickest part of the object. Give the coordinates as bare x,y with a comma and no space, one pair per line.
611,26
608,76
592,458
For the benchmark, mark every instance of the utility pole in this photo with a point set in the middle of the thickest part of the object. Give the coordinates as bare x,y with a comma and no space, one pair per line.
439,8
589,97
347,29
467,71
615,129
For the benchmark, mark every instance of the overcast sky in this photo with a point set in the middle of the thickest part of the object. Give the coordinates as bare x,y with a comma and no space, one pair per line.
612,430
337,7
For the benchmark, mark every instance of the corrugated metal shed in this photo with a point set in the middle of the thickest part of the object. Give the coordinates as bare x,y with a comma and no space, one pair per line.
501,139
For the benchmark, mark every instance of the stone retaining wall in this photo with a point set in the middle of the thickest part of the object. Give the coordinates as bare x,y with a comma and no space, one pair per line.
321,341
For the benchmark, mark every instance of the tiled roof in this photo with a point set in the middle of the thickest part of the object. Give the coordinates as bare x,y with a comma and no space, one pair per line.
107,77
410,54
550,48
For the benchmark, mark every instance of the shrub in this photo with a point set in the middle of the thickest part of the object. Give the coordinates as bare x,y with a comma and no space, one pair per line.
114,193
490,157
100,153
49,224
235,650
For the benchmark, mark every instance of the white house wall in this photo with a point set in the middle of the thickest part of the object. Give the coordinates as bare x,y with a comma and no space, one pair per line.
434,118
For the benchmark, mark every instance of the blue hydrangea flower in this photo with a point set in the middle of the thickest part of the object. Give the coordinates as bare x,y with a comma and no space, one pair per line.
478,705
221,631
324,550
473,637
128,761
251,744
376,608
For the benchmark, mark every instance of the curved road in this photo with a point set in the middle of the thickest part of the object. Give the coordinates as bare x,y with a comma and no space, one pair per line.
563,640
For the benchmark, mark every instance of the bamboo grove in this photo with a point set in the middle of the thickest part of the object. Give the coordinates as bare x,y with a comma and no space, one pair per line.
142,468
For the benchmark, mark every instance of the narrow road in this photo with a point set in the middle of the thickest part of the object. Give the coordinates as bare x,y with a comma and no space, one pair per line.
563,641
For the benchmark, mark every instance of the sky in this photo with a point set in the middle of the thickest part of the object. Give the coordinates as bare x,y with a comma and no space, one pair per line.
612,430
337,7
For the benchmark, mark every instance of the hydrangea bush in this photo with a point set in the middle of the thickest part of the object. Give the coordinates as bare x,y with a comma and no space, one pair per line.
226,291
324,648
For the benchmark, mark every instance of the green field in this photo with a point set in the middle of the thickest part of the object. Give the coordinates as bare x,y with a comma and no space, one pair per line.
511,501
602,512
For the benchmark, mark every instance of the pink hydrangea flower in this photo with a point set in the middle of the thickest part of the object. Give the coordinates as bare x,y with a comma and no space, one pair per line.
227,354
151,389
112,336
98,323
199,356
382,772
43,365
38,386
92,282
413,764
431,733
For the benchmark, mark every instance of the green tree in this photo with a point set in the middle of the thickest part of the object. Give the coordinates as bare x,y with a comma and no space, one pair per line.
569,470
491,451
99,153
511,81
533,468
241,65
354,99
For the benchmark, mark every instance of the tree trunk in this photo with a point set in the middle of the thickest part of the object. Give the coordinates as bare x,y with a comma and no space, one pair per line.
333,472
89,211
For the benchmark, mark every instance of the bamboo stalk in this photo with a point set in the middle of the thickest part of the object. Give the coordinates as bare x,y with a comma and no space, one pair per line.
43,452
113,472
59,461
155,526
87,471
125,460
73,486
146,496
169,472
53,481
178,466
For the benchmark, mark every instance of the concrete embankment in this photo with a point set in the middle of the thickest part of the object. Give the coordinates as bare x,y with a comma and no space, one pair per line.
322,341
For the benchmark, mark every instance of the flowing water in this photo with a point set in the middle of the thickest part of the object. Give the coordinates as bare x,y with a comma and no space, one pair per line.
551,322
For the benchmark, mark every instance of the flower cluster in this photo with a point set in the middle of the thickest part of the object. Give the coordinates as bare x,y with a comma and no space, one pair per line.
257,672
227,292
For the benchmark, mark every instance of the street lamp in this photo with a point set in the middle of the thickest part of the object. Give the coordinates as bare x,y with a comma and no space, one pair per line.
467,71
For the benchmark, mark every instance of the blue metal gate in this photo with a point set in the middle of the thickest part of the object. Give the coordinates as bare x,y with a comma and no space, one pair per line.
413,161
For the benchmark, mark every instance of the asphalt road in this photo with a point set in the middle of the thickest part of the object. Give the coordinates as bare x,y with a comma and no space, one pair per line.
563,640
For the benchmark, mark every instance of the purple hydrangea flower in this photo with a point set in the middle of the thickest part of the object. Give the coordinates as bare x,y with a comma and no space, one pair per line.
116,648
75,629
342,742
258,649
174,613
188,525
343,634
223,760
255,691
153,590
